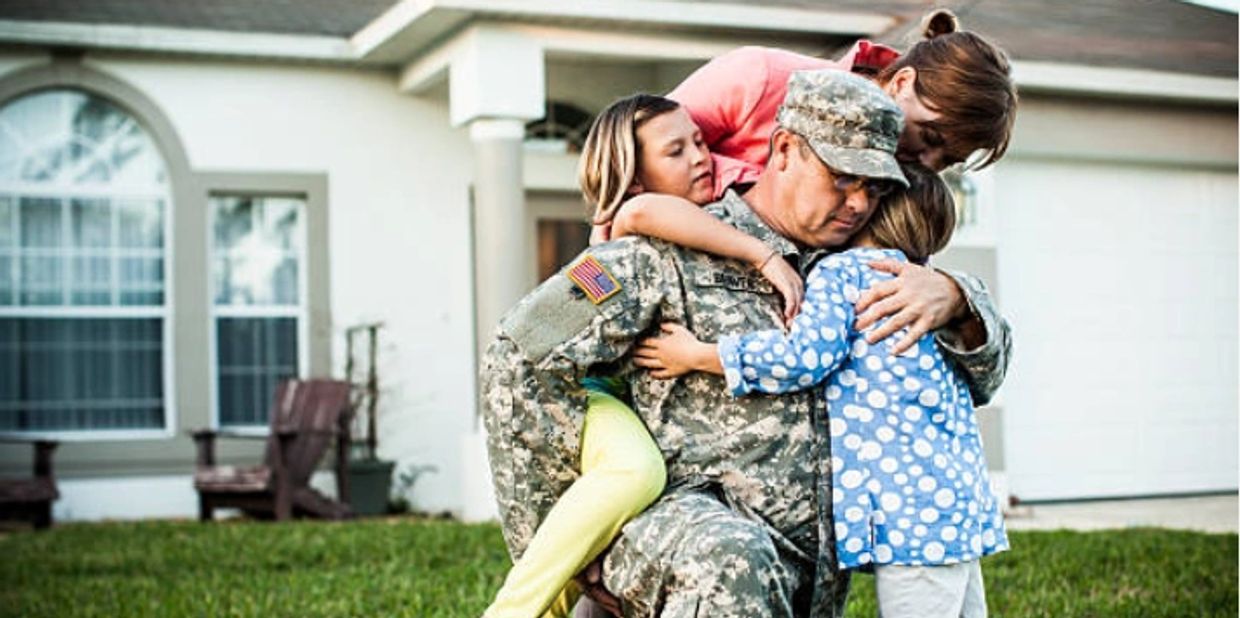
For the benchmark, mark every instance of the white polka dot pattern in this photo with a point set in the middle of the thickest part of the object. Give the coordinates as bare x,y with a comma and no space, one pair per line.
910,481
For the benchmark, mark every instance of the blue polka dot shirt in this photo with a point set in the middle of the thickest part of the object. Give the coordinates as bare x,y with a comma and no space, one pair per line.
909,476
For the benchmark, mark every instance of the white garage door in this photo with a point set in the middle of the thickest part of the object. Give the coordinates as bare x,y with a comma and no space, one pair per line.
1121,284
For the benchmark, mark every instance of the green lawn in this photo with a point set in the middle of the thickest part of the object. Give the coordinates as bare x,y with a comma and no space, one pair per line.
406,567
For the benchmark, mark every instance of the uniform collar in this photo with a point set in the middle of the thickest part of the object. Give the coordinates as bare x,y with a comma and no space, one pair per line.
746,220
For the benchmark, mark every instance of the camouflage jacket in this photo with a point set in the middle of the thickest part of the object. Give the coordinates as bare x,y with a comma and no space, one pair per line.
767,455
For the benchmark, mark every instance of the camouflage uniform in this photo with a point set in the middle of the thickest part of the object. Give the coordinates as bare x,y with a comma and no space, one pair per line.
744,526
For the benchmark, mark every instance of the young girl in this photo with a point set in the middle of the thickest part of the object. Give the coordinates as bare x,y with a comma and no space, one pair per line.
911,493
648,145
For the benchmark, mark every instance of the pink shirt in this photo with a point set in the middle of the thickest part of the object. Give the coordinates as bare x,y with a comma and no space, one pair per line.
734,97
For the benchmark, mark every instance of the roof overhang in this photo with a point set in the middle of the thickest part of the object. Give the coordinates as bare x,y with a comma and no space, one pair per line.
177,40
412,25
1110,82
416,35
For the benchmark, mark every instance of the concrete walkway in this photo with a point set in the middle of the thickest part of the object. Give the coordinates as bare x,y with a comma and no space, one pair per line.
1205,514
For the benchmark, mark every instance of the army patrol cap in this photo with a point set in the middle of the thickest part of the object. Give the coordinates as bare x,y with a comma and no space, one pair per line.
849,122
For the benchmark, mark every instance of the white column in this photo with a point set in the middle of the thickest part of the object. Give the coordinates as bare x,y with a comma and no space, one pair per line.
500,251
497,84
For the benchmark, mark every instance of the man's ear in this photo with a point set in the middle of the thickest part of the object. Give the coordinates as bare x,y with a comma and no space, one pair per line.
782,146
635,188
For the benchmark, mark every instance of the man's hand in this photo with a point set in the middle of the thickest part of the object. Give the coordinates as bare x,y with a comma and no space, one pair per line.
591,581
920,298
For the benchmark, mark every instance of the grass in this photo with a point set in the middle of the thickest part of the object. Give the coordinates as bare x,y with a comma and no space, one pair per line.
407,567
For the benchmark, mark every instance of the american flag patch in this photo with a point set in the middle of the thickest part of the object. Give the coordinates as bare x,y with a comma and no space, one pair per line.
593,279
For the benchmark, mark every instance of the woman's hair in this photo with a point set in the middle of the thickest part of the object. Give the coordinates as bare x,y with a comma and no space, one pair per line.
609,159
918,221
968,80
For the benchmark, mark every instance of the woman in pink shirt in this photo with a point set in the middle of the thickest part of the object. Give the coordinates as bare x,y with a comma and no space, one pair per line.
956,91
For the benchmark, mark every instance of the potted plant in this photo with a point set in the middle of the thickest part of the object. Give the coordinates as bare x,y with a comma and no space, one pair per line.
370,478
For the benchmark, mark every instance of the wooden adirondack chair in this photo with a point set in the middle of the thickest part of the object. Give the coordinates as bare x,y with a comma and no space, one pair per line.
307,416
31,499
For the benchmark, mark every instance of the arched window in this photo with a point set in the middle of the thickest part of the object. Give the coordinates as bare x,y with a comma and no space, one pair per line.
84,227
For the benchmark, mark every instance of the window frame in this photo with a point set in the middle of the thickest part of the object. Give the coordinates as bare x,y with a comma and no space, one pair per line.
313,280
301,313
165,311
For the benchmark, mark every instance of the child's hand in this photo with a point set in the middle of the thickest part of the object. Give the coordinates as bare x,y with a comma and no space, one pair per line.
674,353
788,282
600,233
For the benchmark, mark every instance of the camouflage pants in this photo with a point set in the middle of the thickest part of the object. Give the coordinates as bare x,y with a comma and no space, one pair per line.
690,555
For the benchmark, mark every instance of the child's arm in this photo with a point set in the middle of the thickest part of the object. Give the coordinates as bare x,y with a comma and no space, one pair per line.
680,221
768,361
675,353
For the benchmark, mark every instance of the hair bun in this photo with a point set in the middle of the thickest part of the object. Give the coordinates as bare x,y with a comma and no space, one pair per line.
939,22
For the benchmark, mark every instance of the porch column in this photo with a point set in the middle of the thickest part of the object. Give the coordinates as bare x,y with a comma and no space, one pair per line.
496,86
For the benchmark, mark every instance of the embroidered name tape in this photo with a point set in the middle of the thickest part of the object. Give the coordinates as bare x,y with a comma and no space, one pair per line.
593,279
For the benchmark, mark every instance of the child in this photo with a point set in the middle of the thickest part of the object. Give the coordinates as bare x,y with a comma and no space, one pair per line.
911,494
648,145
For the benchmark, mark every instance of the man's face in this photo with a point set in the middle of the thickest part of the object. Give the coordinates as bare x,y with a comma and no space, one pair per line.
822,208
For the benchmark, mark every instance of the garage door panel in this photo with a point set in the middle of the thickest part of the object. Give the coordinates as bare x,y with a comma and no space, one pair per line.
1121,285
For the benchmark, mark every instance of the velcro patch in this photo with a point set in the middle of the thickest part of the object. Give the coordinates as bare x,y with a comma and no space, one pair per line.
593,279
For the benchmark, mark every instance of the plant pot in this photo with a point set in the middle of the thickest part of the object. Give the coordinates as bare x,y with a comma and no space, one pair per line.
370,485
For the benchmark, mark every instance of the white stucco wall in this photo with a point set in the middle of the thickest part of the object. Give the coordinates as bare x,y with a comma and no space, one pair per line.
398,179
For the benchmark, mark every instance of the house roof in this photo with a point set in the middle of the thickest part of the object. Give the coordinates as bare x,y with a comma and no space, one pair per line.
313,17
1161,35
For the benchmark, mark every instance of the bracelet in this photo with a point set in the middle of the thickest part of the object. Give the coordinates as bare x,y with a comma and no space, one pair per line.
768,259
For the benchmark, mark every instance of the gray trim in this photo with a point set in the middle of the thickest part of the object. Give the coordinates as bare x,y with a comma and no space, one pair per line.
313,188
190,408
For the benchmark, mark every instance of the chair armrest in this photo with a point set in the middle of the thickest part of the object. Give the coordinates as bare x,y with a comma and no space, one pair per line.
43,450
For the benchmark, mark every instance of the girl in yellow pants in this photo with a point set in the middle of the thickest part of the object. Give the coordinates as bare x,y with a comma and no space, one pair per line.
646,145
622,472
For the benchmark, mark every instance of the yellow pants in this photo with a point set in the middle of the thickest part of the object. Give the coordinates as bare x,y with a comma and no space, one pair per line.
622,472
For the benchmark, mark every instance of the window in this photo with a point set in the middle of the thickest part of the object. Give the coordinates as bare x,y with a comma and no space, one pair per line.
84,227
259,304
562,129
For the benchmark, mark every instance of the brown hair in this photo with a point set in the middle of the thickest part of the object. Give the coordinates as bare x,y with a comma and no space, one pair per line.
966,78
919,220
608,164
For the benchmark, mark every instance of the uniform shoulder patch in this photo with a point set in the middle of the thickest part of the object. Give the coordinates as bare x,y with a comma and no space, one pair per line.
593,279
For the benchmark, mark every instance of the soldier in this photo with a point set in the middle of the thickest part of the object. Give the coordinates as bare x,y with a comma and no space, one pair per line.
744,526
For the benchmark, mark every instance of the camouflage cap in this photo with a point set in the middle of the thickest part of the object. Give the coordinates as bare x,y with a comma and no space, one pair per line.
851,124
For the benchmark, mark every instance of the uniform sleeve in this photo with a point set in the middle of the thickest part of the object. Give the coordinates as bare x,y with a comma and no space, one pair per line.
533,403
983,367
774,362
722,93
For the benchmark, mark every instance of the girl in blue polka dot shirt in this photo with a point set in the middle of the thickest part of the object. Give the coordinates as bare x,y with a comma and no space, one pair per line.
911,495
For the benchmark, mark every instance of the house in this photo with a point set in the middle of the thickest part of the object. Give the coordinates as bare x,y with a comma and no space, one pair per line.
197,199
